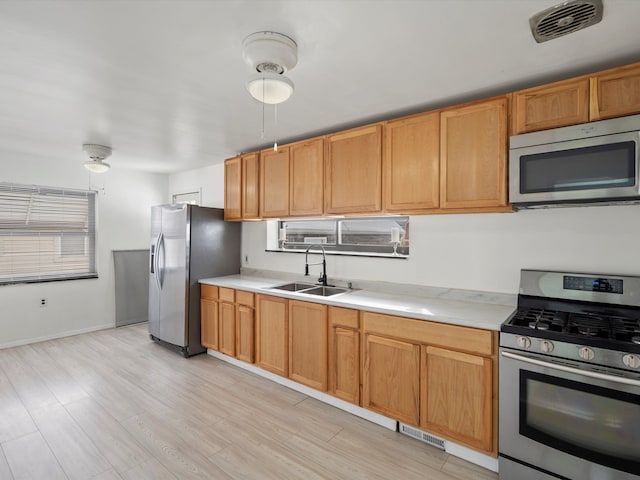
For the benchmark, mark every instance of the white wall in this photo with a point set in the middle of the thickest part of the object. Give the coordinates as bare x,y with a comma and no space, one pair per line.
124,202
476,252
207,180
485,251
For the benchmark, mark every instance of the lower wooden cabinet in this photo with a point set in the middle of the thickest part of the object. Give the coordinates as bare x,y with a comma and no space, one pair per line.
344,354
227,319
441,378
209,316
457,396
308,344
391,378
438,377
209,323
245,328
272,334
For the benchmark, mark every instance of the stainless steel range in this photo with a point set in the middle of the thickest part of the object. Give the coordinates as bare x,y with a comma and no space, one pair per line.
570,379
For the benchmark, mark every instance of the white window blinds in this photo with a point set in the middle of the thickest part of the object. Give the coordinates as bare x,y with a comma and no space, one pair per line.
46,233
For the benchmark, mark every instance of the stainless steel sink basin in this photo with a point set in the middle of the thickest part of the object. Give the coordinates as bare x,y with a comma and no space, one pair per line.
325,291
294,287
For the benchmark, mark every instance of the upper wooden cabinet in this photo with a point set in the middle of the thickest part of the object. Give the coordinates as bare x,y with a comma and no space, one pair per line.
306,186
473,155
548,106
250,186
608,94
353,171
412,163
615,92
233,189
274,183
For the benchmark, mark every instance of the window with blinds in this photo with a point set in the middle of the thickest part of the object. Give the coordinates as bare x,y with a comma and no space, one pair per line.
46,234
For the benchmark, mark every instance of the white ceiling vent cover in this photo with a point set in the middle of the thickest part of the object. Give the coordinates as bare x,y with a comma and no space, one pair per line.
567,17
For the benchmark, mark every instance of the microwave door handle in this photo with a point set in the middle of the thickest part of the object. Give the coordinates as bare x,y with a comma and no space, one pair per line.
576,371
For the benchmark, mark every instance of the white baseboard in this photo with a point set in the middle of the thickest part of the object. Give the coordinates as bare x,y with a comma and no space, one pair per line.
472,456
454,449
68,333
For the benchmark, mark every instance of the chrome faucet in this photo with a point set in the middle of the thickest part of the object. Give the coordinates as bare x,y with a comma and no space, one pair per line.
323,277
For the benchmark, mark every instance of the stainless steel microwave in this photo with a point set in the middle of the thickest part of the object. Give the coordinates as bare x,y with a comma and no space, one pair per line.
582,164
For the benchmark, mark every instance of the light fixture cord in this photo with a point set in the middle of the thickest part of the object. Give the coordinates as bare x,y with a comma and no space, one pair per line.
262,109
275,128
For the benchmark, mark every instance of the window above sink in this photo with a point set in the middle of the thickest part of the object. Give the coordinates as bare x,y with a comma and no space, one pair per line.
370,236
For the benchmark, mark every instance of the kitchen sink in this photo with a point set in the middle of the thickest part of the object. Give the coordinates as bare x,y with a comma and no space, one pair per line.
294,287
325,291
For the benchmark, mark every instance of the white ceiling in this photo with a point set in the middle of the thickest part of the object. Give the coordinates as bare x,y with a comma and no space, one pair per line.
162,81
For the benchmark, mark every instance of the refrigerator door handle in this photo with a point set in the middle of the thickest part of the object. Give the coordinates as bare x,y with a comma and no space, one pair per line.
153,259
159,270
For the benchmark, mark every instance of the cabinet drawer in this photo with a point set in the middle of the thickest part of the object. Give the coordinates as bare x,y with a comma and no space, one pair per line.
344,317
244,298
227,294
466,339
208,291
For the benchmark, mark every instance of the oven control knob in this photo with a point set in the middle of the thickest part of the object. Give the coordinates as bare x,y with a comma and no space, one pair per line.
631,361
546,346
586,353
523,342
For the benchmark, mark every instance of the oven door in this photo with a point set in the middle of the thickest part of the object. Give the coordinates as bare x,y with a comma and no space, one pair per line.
590,169
559,419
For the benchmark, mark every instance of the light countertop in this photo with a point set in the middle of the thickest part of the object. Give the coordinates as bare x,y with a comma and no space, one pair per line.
457,312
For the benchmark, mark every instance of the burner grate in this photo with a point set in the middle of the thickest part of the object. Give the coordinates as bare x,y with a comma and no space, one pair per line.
578,324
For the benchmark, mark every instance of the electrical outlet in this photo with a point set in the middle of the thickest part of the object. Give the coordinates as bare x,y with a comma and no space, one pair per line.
43,302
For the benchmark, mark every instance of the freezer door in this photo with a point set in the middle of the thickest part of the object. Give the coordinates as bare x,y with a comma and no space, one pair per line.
154,281
172,275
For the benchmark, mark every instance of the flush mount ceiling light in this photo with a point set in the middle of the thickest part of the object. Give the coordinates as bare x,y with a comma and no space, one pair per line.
271,55
97,154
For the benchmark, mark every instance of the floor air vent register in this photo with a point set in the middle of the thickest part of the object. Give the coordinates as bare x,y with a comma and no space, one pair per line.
422,436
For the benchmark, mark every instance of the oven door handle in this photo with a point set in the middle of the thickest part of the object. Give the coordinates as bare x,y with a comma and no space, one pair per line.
577,371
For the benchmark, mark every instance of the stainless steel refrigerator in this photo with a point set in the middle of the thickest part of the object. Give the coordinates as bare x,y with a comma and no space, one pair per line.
188,243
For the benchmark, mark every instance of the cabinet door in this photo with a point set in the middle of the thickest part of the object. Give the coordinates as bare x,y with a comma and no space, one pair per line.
549,106
615,93
473,155
308,344
209,321
391,378
344,354
245,345
353,171
307,178
233,189
272,334
250,186
412,163
457,397
274,183
344,364
227,320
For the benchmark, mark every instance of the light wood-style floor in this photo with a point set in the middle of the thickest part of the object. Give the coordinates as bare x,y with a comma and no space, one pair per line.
113,405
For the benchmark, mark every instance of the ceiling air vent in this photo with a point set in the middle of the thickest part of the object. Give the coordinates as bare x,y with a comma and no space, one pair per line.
565,18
